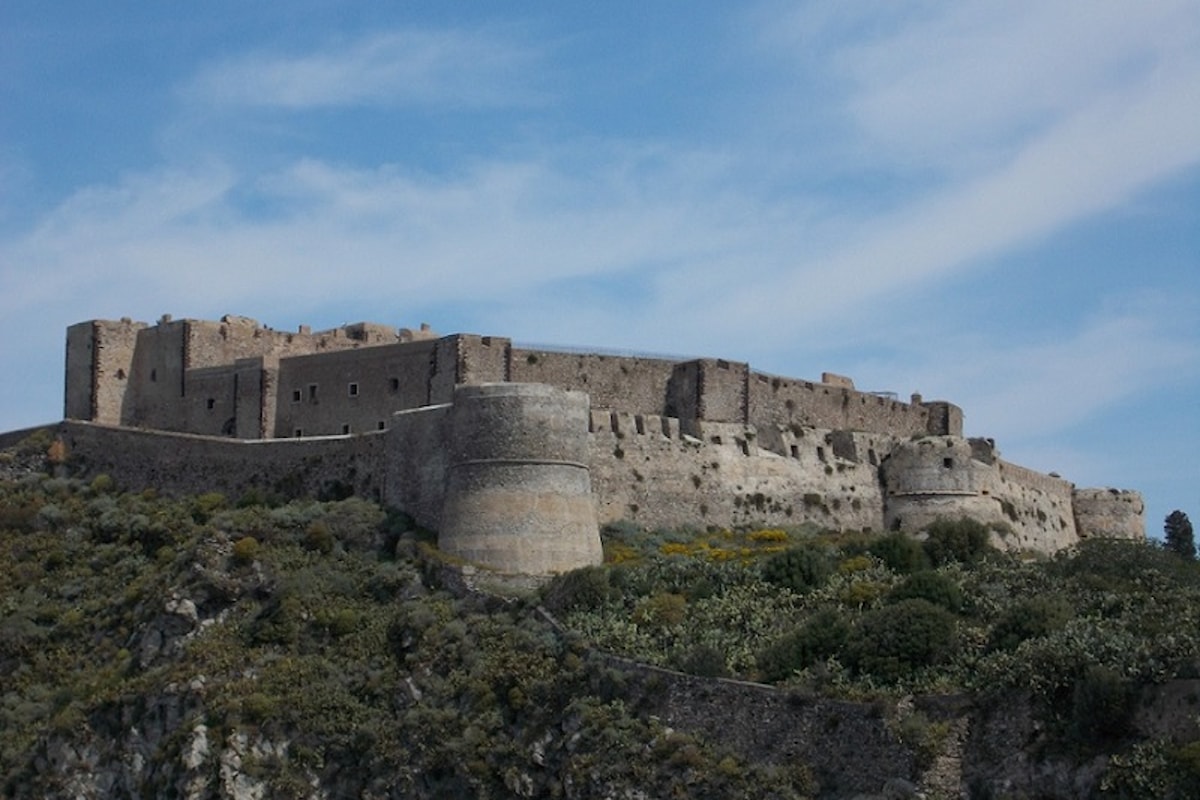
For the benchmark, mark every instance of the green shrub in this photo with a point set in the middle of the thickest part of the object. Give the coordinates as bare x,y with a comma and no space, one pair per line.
800,569
895,641
661,610
103,483
822,636
205,505
1028,619
317,537
900,552
584,588
937,588
964,540
245,550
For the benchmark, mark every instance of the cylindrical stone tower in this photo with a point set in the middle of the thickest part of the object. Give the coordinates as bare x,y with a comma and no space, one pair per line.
518,491
932,477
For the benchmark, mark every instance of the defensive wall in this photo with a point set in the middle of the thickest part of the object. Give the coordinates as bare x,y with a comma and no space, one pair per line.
515,454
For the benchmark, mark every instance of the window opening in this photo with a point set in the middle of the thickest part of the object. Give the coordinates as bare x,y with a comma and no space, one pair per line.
354,390
312,393
297,395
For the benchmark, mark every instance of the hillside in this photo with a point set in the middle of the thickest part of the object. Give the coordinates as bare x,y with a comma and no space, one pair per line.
241,647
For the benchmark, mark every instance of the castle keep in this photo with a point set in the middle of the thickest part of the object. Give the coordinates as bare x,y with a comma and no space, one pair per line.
515,455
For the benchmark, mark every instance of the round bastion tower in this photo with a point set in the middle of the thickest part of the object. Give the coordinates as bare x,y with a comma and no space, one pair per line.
518,490
936,476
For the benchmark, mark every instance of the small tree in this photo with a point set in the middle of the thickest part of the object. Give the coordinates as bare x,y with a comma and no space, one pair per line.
1179,535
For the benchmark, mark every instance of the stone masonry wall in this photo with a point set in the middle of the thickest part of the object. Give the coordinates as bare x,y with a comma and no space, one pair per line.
645,470
776,400
178,463
352,392
1110,513
633,384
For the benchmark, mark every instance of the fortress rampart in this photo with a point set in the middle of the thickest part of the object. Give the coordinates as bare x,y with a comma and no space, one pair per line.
516,454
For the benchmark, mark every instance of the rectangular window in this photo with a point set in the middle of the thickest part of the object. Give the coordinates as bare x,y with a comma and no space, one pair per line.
297,395
354,390
211,403
394,385
345,429
299,432
382,425
312,393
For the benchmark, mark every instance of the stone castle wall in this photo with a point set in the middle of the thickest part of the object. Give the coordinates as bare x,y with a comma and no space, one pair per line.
471,436
1111,513
645,469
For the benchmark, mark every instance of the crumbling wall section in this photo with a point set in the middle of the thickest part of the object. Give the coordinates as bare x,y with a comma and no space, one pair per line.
1110,513
1037,507
647,470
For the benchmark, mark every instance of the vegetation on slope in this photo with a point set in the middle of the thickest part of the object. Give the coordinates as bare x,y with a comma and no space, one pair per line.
886,616
297,646
150,646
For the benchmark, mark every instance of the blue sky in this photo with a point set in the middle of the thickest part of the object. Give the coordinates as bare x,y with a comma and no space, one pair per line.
996,204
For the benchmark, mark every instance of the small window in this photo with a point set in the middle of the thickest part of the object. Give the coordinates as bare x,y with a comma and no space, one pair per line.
120,374
795,451
394,385
153,375
299,432
821,453
354,390
312,393
345,429
297,395
382,425
948,463
210,403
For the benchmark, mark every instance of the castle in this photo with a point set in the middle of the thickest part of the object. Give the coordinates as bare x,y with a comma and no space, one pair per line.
516,455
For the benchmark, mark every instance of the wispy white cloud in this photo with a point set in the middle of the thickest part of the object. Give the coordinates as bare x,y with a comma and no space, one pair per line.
431,68
1061,142
1034,390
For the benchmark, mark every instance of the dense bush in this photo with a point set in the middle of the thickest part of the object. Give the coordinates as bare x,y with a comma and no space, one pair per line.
964,540
895,641
1028,619
936,587
800,569
587,587
822,636
900,552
